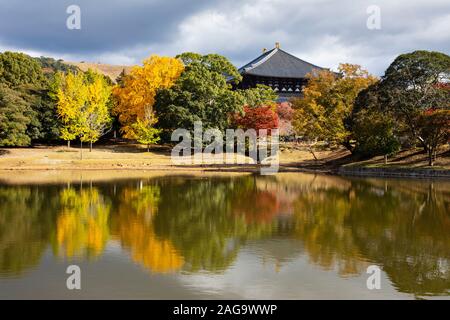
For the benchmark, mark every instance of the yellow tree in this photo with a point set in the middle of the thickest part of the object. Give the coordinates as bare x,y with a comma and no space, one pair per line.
71,98
135,96
328,101
96,114
83,106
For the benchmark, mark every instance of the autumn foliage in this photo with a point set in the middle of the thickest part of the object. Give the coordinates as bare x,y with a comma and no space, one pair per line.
327,101
257,118
135,96
83,105
285,114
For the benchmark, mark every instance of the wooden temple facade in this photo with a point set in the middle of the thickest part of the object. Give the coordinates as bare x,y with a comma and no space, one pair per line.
283,72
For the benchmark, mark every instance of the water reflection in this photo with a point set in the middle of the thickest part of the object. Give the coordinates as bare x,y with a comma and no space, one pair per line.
82,223
133,225
192,225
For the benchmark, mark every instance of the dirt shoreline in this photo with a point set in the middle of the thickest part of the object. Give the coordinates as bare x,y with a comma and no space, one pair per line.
131,158
442,174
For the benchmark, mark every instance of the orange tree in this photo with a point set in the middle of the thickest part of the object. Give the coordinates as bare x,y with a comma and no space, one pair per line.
135,94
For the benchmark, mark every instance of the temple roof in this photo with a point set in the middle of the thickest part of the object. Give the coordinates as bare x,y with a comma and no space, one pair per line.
280,64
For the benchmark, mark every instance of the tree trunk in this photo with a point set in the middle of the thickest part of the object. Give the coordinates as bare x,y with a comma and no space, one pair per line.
68,144
148,148
81,150
348,145
385,159
90,146
430,157
312,152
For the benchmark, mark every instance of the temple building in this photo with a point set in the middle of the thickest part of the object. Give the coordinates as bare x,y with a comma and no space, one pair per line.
283,72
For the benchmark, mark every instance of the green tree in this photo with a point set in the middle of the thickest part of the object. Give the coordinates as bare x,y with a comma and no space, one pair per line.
145,132
20,69
373,128
25,77
201,93
413,84
51,66
16,115
260,96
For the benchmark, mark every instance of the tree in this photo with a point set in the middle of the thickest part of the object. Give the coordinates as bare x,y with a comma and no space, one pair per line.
434,128
96,114
145,132
121,78
260,109
18,69
24,75
260,96
15,116
135,93
328,101
414,87
257,118
373,127
51,66
374,132
83,106
71,98
201,93
285,115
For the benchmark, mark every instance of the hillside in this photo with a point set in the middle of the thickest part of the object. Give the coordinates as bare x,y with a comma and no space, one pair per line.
112,71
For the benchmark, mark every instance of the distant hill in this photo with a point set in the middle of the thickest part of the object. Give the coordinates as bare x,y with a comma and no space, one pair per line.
50,65
109,70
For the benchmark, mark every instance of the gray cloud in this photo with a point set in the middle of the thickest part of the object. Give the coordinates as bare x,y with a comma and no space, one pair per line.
324,32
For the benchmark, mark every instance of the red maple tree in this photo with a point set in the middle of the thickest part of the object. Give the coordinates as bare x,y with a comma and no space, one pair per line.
257,118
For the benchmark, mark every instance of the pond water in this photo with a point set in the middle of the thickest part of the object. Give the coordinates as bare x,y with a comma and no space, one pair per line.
289,236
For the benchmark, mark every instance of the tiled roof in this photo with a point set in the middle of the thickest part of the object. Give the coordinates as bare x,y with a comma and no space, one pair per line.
278,63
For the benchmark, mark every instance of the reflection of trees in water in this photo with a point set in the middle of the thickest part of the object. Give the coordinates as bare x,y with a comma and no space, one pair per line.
319,221
257,206
133,225
406,232
26,223
82,224
208,220
195,224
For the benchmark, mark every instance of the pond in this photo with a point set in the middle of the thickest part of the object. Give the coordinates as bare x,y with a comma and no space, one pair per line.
288,236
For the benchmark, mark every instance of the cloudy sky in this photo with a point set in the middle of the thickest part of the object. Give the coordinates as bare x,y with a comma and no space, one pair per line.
324,32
